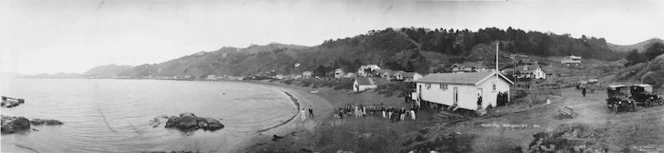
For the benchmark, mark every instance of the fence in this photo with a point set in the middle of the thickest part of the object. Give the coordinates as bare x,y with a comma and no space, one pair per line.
537,93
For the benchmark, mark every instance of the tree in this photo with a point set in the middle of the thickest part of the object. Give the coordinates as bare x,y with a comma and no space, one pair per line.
320,71
654,51
634,57
394,65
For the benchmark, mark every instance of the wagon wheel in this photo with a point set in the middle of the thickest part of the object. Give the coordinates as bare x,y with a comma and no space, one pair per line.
660,101
648,102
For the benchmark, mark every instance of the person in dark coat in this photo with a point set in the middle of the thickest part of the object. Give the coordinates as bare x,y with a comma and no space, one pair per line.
583,91
479,101
311,112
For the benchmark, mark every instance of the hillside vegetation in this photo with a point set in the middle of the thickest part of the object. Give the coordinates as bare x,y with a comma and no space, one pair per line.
641,46
410,49
651,72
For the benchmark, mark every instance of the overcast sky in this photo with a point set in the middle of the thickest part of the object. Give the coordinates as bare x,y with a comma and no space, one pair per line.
48,36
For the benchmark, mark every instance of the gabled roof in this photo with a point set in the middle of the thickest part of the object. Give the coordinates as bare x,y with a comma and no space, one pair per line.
365,81
460,78
614,86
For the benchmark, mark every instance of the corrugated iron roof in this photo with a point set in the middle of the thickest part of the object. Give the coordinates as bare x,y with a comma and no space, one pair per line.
458,78
365,81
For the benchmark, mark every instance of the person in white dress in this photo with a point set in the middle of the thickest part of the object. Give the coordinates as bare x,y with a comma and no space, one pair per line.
303,114
412,113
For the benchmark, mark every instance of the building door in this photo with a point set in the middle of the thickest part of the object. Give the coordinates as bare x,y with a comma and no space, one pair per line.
456,96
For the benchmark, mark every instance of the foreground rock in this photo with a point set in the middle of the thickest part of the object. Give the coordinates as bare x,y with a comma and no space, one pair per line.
12,124
188,122
576,138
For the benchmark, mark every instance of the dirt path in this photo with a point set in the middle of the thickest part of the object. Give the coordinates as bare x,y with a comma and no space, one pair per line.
625,130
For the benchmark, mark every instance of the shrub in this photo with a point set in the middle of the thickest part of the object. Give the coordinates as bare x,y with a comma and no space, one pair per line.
401,89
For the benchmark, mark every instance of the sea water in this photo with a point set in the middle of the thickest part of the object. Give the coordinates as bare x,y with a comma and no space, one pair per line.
106,115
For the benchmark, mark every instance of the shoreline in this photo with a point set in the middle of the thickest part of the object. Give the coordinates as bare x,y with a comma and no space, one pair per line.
300,96
294,100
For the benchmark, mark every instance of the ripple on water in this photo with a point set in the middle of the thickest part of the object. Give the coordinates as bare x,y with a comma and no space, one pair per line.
114,115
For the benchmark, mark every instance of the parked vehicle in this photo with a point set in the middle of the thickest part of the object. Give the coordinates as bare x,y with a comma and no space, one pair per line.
592,81
619,98
643,94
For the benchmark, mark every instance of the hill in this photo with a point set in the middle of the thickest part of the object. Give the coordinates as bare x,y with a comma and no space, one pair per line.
107,70
651,72
640,47
410,49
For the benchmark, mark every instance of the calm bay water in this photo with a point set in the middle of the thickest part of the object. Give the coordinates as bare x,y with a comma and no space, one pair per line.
129,105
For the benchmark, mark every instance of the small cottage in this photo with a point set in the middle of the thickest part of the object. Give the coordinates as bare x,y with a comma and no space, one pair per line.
339,73
407,76
307,74
530,71
461,90
364,83
468,67
571,60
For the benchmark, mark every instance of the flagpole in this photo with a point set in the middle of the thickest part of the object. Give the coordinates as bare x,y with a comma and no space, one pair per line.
497,61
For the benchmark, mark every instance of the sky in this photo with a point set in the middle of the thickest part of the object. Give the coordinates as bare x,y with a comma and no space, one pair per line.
48,36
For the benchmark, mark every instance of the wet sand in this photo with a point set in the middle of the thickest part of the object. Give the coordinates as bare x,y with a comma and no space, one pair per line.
302,99
327,134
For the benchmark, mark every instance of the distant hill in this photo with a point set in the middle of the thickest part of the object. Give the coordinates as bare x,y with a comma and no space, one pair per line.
108,70
641,46
410,49
54,75
651,72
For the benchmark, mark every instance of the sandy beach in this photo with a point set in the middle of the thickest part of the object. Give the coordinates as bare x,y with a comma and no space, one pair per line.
294,127
327,134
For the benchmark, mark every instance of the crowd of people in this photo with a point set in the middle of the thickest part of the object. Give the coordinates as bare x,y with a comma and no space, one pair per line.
380,110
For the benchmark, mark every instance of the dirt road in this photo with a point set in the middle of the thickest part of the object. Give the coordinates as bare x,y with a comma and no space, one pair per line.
642,130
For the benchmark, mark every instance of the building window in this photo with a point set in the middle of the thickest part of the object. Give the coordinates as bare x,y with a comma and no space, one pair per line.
428,86
443,86
494,87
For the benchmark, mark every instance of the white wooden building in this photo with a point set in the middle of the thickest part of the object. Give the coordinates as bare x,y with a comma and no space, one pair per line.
364,83
461,89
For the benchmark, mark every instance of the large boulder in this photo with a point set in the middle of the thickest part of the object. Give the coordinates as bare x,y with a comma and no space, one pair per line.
14,124
185,121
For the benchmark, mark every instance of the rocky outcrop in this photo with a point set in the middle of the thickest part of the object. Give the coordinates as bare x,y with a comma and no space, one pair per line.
37,121
14,124
11,102
188,122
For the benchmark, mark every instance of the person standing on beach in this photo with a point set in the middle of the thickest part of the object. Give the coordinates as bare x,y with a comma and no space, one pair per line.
311,112
412,113
303,114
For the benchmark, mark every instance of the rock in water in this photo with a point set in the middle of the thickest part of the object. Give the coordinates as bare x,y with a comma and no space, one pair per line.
37,121
212,124
14,124
186,121
189,121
